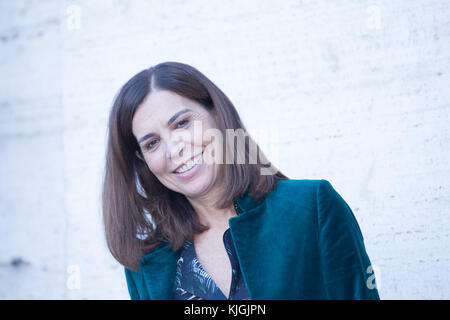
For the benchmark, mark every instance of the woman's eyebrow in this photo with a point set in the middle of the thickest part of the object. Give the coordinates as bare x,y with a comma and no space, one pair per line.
169,122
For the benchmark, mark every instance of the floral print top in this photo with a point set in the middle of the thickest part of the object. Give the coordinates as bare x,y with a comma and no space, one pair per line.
192,282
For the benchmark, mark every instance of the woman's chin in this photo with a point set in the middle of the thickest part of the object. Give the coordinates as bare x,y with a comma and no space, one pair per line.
195,187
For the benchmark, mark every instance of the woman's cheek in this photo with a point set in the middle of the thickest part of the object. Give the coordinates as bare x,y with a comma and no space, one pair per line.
155,164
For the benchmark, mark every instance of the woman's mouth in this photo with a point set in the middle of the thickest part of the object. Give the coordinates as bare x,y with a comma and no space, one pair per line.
190,168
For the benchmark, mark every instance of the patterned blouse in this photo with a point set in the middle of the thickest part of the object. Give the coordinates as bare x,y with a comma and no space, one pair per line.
192,282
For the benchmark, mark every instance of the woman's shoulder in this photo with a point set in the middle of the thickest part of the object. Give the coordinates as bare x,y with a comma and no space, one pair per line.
296,198
291,198
296,185
295,191
307,198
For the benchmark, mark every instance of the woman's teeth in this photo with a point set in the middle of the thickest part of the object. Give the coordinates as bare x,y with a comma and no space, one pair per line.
189,164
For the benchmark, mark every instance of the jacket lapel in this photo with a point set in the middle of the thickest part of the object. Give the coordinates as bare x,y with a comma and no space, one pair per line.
247,240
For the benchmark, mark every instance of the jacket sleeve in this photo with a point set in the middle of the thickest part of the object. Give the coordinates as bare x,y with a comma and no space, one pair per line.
132,289
345,263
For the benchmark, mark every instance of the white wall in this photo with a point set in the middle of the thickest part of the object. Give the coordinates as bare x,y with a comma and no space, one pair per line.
355,92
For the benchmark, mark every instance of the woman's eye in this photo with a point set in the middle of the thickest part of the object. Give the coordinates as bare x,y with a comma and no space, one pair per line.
182,122
150,145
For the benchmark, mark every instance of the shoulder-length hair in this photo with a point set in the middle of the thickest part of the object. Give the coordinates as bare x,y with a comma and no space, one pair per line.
138,211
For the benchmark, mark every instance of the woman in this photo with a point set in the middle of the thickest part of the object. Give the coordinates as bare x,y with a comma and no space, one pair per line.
190,220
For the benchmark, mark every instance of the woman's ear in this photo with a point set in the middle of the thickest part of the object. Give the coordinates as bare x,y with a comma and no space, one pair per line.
138,154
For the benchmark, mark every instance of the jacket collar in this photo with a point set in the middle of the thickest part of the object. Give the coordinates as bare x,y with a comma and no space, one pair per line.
159,266
245,202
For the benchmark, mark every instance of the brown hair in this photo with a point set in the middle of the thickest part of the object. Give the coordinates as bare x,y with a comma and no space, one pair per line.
138,211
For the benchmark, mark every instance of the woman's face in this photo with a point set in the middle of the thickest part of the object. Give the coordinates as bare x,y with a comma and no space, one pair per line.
164,128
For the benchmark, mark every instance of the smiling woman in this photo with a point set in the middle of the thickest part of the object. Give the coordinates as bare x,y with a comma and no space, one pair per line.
174,163
188,223
161,187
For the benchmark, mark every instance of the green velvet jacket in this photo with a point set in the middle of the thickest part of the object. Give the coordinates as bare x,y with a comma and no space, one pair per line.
301,242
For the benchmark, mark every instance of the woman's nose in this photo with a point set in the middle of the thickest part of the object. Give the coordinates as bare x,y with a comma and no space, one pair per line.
175,150
178,152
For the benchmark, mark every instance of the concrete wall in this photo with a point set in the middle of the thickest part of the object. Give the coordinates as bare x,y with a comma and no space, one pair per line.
355,92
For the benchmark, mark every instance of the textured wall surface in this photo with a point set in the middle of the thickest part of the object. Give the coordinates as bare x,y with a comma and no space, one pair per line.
355,92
